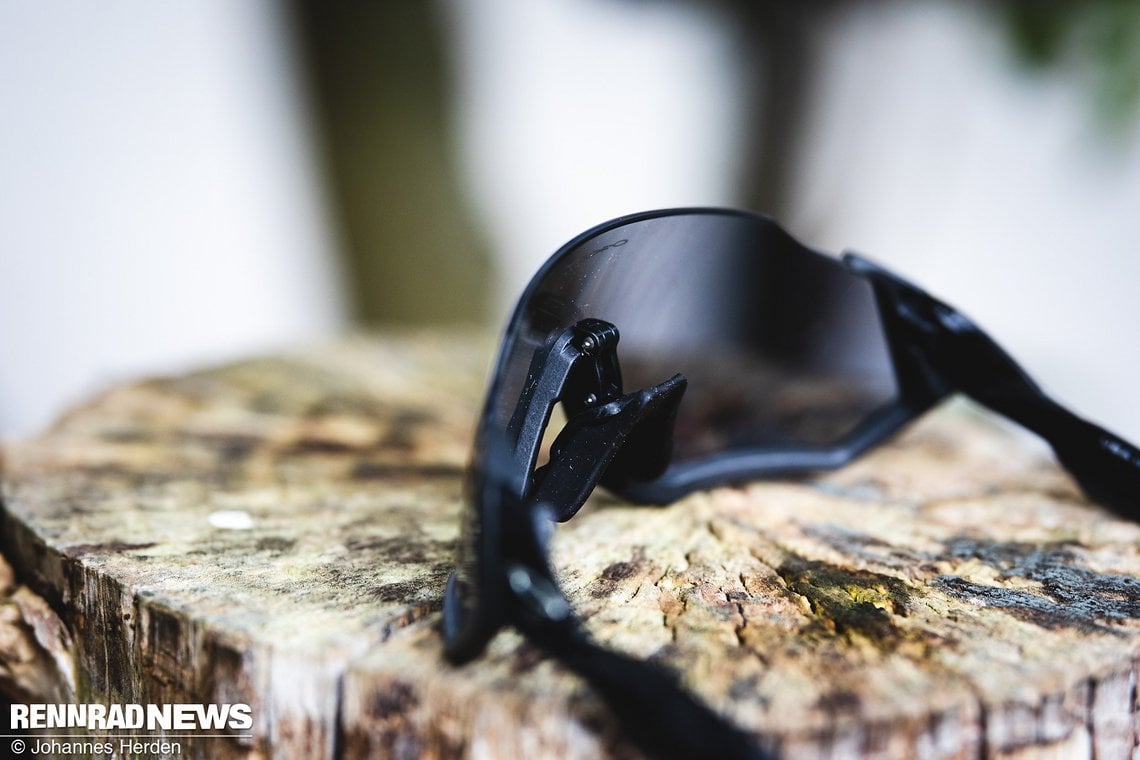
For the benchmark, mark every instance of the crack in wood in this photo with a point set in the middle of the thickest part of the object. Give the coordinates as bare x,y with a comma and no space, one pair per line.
835,617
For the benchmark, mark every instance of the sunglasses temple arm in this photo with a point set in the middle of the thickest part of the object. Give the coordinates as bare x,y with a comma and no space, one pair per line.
652,707
1106,466
659,714
654,710
942,350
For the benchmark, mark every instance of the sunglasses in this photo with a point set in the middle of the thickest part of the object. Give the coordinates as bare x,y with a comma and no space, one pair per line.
787,360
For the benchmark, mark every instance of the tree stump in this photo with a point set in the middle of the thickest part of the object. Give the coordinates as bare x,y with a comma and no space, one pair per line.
278,532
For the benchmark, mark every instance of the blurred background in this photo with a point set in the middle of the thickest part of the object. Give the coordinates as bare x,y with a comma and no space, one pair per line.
185,183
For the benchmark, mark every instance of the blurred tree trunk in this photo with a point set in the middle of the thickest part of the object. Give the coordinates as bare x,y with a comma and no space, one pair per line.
379,87
780,59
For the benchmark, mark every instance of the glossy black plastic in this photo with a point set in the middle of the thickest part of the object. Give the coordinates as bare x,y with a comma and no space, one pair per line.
624,439
939,350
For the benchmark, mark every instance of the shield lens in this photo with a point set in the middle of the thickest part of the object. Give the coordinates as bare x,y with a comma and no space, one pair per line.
471,608
781,345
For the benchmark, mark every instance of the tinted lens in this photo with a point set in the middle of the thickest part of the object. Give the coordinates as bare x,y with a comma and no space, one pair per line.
471,606
781,345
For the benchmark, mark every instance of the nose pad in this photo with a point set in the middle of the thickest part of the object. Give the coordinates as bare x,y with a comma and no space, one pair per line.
648,448
630,437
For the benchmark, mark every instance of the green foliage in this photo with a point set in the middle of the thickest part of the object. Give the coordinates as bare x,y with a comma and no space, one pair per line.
1101,38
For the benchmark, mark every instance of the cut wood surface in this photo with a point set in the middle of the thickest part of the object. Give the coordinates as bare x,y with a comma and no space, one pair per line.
277,532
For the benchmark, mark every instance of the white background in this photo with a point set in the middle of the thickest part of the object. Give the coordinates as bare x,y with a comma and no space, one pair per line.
161,207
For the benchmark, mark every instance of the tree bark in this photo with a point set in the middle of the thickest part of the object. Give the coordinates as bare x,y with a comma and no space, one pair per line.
277,533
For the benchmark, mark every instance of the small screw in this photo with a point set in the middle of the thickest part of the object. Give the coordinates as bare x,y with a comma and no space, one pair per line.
588,344
591,399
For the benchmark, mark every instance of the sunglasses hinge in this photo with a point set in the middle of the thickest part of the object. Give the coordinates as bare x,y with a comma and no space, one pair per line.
579,367
595,377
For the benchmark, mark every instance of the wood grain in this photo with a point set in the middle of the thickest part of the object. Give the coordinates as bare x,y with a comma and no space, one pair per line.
277,532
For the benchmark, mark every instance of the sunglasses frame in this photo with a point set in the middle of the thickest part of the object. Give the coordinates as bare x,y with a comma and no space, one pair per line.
934,349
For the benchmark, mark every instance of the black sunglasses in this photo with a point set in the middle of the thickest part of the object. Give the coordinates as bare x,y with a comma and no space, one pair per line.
789,361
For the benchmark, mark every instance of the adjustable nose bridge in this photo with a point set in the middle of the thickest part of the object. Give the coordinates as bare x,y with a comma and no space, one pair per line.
648,447
596,375
627,439
621,438
596,380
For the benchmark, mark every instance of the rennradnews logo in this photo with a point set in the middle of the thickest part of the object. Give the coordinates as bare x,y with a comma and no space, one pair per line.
96,717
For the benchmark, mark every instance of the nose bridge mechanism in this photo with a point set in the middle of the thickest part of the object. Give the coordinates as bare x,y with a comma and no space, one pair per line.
610,436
